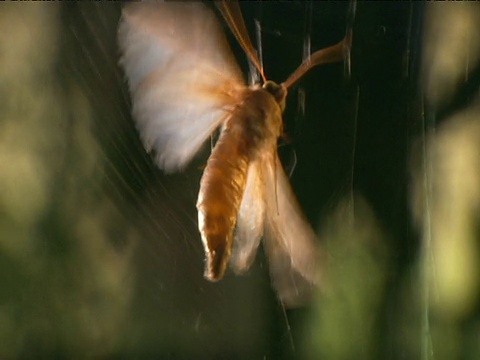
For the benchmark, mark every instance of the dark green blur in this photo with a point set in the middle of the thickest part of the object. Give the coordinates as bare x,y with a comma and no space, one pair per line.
100,256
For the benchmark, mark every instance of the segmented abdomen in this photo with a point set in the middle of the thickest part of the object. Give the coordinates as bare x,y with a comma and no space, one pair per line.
221,190
253,127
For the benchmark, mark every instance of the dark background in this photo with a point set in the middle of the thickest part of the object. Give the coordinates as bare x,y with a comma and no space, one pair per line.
111,264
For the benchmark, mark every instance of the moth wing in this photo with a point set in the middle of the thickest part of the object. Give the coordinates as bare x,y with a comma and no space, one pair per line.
289,239
250,220
182,76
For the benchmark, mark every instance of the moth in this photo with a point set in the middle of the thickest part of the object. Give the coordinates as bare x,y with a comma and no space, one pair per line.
185,84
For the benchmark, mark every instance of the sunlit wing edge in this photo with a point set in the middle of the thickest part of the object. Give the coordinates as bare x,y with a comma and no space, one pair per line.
290,242
250,220
182,76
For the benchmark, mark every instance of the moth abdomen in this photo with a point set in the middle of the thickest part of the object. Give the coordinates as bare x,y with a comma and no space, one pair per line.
221,191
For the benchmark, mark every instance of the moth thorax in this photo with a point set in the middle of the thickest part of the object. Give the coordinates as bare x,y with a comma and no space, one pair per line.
279,92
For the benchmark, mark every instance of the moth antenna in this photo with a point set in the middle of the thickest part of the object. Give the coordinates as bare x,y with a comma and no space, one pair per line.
232,14
332,54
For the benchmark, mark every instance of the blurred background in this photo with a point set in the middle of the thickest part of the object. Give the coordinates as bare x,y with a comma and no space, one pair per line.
100,255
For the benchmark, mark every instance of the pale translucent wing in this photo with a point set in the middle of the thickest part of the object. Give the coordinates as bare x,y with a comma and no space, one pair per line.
249,227
290,242
182,76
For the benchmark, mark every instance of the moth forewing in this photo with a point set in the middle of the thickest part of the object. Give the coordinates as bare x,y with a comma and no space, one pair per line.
250,221
182,76
290,241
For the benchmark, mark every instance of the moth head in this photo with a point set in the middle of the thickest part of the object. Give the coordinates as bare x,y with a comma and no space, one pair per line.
279,92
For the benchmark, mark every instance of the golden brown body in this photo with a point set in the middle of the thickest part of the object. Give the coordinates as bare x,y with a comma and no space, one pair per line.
185,83
253,127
